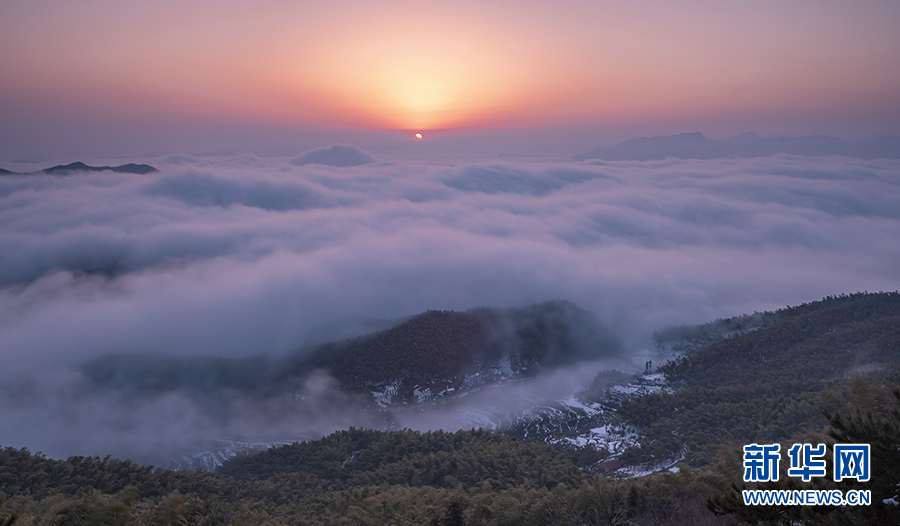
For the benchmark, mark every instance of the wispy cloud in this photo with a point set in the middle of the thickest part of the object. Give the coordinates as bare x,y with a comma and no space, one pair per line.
239,254
247,254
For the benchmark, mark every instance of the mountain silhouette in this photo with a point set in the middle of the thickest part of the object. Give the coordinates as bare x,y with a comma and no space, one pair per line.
697,146
63,169
130,168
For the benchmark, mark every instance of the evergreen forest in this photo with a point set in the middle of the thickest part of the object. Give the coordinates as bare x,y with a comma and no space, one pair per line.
823,372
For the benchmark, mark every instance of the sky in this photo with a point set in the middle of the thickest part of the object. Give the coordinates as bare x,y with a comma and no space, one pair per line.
130,78
292,196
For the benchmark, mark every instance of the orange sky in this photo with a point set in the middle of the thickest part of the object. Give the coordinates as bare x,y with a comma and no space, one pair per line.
434,65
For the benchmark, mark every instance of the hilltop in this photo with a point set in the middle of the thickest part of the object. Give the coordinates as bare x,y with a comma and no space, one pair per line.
697,146
432,351
66,169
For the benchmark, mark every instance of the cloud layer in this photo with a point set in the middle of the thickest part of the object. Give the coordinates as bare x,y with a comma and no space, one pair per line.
240,254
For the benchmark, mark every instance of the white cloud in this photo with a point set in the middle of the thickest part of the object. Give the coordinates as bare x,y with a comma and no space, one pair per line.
241,255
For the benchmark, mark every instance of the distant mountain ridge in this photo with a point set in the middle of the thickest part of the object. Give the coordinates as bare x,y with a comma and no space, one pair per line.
695,145
437,349
434,350
78,166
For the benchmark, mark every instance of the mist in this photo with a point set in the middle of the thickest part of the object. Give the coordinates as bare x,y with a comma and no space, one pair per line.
240,255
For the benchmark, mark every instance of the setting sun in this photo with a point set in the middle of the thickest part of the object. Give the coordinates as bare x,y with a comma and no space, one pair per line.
398,74
418,136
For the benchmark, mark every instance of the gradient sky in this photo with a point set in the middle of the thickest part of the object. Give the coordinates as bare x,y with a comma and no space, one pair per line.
94,69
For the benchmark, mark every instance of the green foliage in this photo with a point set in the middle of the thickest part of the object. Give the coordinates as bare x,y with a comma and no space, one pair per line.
396,478
869,415
688,336
876,423
464,459
764,385
92,508
767,384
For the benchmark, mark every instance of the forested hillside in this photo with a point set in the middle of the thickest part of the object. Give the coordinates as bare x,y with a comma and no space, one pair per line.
403,477
435,348
444,345
824,372
463,459
468,478
768,384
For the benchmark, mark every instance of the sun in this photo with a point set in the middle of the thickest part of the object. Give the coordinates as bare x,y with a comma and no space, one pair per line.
418,136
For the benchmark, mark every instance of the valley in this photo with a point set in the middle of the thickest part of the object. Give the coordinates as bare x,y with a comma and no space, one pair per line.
502,439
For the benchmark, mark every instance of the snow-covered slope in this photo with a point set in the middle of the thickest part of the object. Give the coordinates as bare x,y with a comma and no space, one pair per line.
216,452
555,408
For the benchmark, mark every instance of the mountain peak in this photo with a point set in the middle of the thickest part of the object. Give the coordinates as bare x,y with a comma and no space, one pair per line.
78,166
692,135
695,145
744,138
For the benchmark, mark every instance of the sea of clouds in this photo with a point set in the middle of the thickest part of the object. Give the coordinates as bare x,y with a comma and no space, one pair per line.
244,254
234,255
